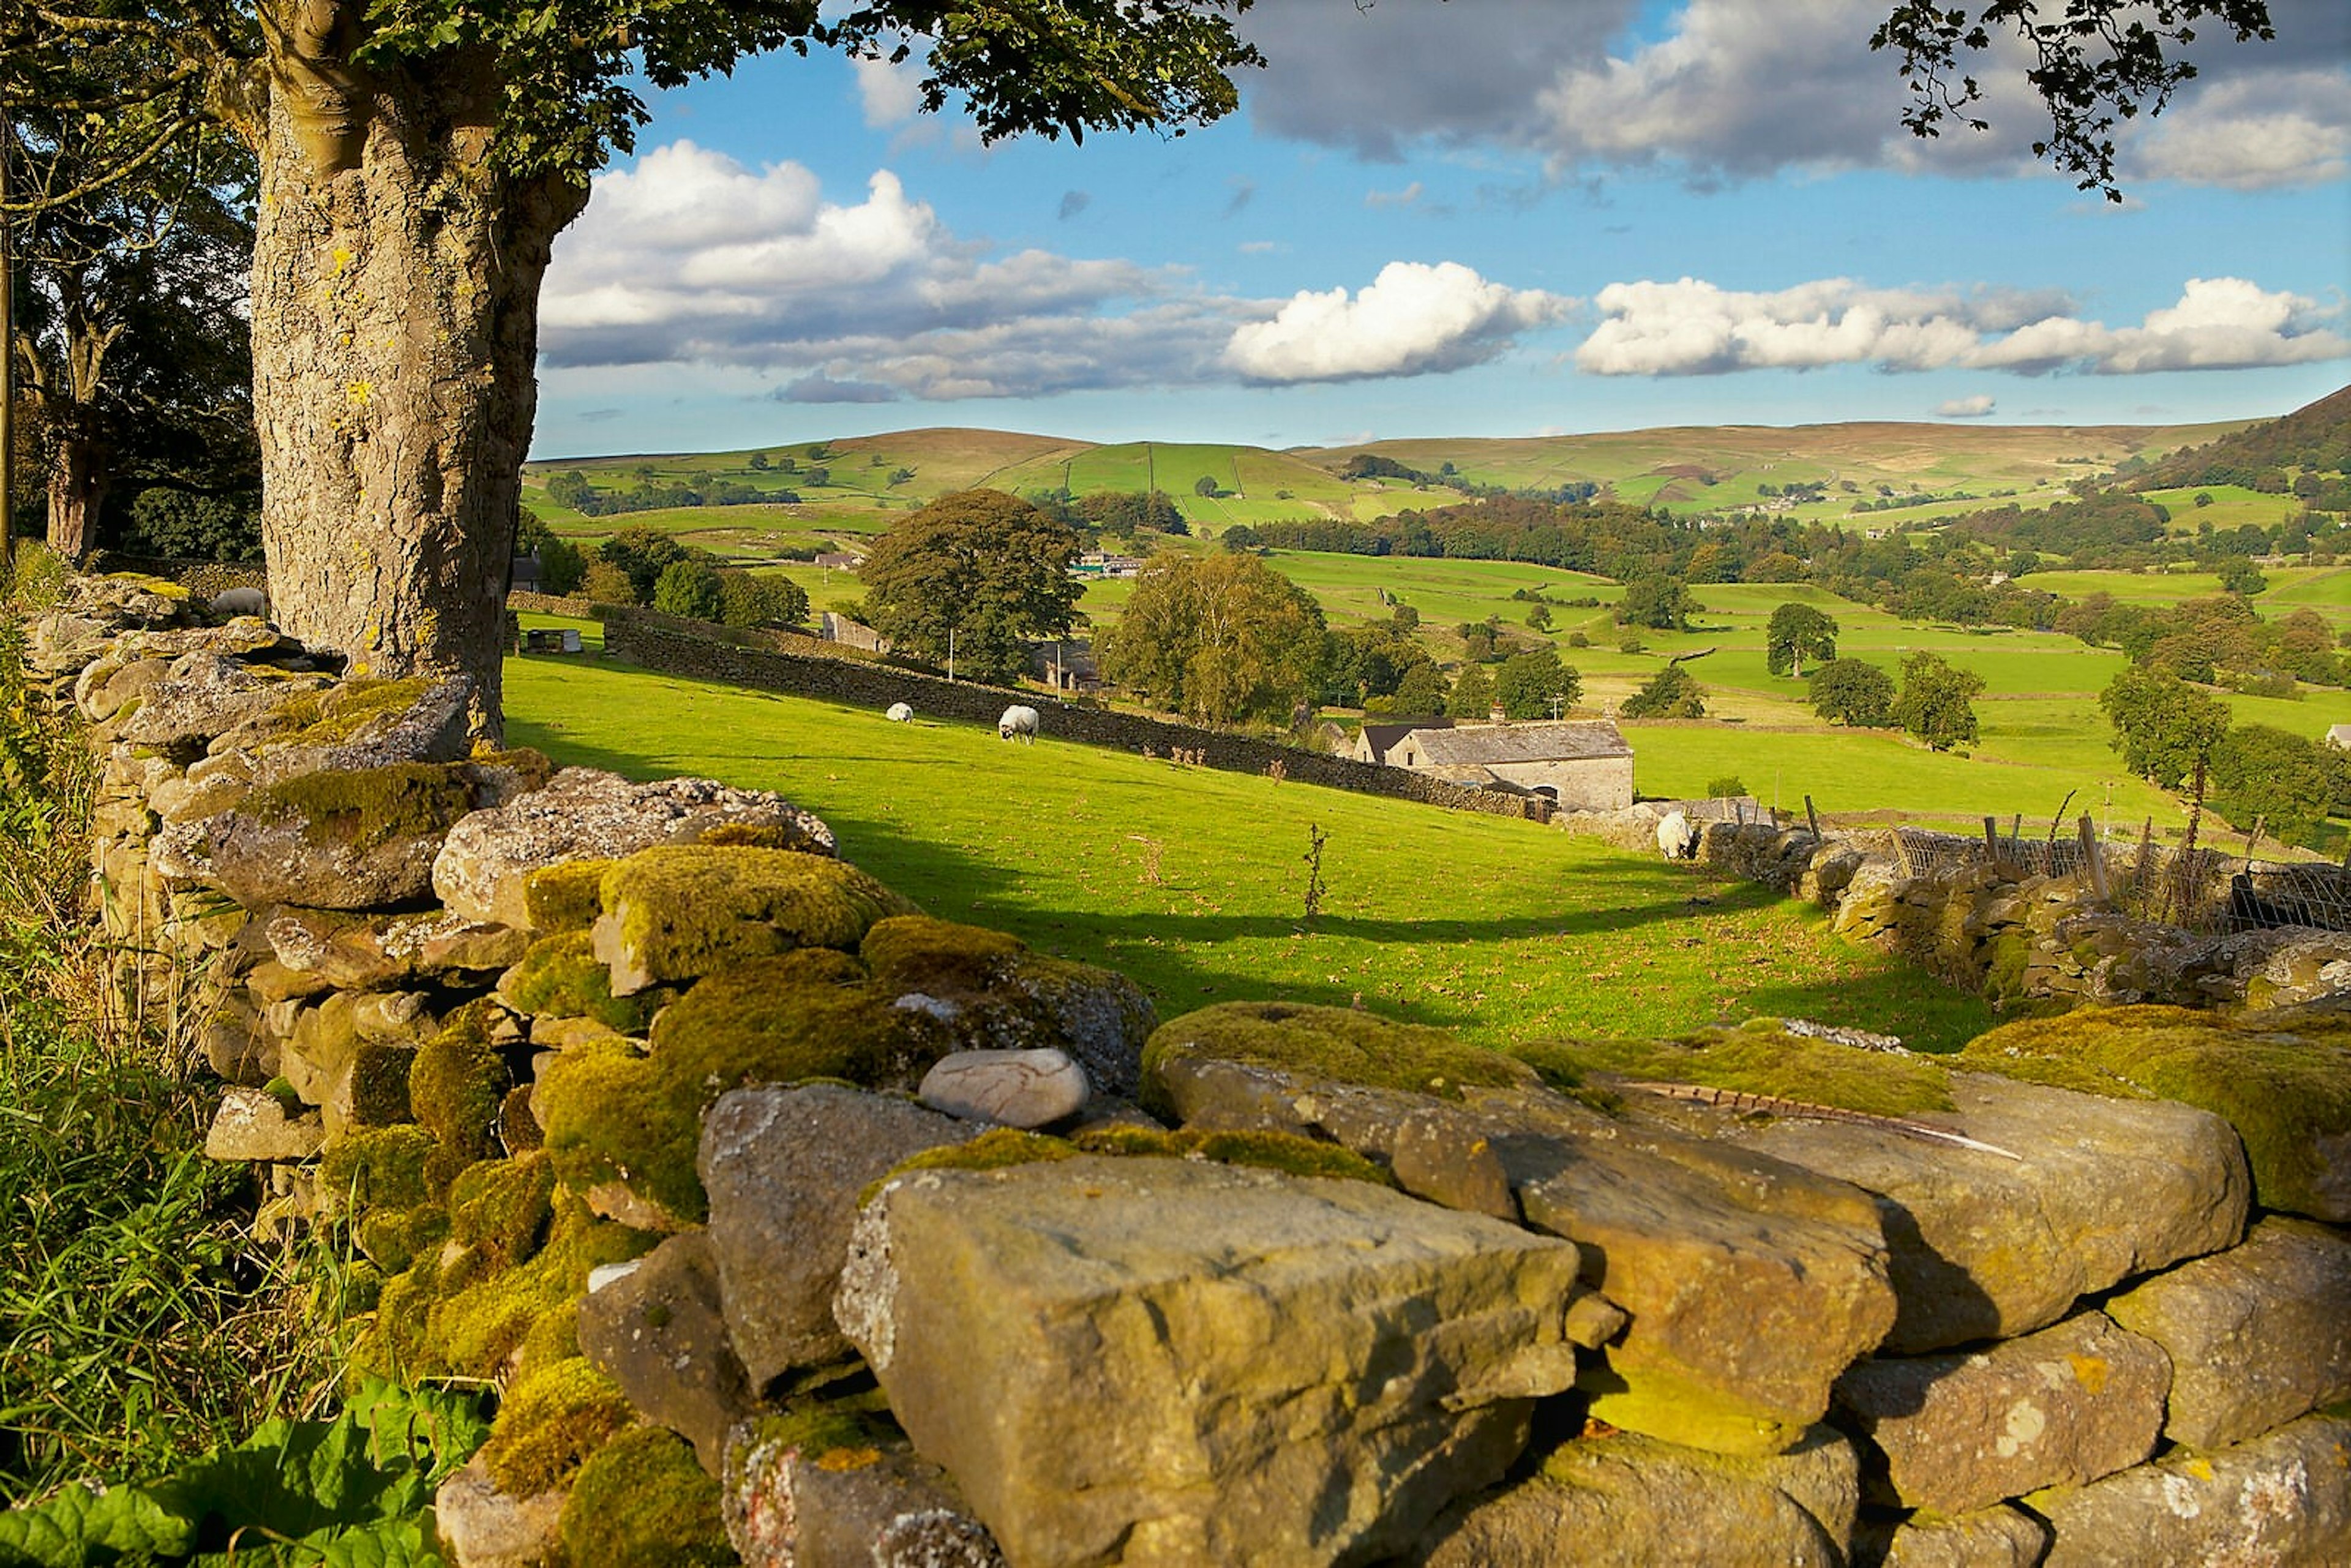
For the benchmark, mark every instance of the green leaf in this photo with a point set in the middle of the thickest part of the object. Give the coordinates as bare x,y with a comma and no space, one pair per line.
79,1527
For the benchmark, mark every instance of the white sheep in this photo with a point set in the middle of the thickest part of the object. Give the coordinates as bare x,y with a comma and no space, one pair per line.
901,714
1021,720
234,601
1677,837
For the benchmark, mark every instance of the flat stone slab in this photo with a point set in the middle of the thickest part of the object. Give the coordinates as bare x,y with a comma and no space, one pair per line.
1986,1246
2257,1335
1168,1362
1997,1537
2067,1404
2283,1501
251,1125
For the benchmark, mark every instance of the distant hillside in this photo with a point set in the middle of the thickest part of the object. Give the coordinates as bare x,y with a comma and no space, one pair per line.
2315,439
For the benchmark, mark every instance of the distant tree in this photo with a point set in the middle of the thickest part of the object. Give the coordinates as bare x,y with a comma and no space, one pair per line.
978,571
1672,693
1935,701
2163,726
1728,787
1657,601
1852,692
561,565
1205,486
1404,618
2021,563
818,475
183,526
760,599
1221,639
1536,685
1473,696
2240,575
689,588
1422,693
759,462
1797,633
1238,539
607,584
2259,771
901,477
1777,566
1538,617
1477,641
644,553
787,464
2203,497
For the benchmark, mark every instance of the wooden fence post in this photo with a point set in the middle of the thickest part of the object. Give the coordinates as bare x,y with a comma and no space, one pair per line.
2093,856
1812,821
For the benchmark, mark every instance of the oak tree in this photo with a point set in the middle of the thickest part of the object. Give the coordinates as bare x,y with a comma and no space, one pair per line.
970,579
417,160
1797,633
1936,702
1221,638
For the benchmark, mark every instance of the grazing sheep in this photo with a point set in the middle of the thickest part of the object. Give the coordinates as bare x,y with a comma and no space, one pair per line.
1677,837
234,601
1019,720
901,714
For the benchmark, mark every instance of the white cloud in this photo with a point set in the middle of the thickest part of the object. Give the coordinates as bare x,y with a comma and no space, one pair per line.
690,258
1690,327
889,95
1977,407
1403,198
2281,128
1410,320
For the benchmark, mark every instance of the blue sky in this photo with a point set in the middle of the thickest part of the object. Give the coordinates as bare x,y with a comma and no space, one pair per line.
1491,217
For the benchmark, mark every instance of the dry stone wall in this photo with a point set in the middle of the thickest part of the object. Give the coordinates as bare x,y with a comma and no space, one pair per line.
644,639
641,1106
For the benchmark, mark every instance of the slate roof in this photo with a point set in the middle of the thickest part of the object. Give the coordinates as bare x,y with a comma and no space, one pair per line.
1487,743
2338,735
1380,738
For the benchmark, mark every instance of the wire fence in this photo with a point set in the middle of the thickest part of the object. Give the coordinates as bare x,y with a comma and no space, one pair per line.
2207,891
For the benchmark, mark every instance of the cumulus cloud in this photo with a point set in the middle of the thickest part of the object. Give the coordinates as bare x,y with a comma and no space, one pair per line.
1976,407
691,258
889,95
1411,320
1690,327
1743,88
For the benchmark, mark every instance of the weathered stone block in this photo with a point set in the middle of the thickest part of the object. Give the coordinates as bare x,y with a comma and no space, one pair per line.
656,1332
2283,1501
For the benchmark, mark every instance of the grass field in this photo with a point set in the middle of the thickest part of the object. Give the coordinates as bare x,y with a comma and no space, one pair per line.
1193,881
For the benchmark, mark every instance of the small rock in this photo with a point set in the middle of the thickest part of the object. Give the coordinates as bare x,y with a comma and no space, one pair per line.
482,1527
2283,1498
251,1125
1996,1537
1015,1088
880,1506
656,1332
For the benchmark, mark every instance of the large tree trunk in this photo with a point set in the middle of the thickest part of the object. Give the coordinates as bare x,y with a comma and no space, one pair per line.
76,488
395,323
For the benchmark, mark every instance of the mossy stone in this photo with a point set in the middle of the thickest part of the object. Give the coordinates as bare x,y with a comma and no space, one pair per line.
456,1086
1760,1058
549,1423
610,1114
679,912
370,808
561,977
376,1168
379,1085
519,1130
393,1238
335,714
1338,1044
2286,1091
476,1328
1001,1148
643,1501
922,952
503,1205
567,897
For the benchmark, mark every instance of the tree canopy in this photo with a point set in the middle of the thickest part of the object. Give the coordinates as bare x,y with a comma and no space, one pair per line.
1852,692
1672,693
1935,702
1535,685
1797,633
974,576
1221,638
2163,726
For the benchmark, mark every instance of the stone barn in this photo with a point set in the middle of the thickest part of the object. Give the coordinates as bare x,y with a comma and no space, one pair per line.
1580,766
1374,742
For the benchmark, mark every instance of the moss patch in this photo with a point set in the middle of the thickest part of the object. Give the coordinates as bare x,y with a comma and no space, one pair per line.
1002,1148
379,1085
1760,1058
367,808
342,711
926,953
565,897
2282,1090
503,1206
1339,1044
860,1423
610,1112
474,1329
680,912
561,977
393,1238
382,1167
456,1086
551,1420
643,1501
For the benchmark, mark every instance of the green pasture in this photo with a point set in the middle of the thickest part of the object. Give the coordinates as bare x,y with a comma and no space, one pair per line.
1194,882
2233,506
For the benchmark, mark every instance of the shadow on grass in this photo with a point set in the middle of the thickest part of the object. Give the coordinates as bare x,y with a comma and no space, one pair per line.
1192,960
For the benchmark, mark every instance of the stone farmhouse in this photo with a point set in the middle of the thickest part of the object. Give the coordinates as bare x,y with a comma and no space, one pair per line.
1584,764
1375,741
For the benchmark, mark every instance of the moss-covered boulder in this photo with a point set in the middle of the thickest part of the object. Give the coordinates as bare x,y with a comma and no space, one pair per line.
679,914
587,814
1338,1044
561,977
2284,1084
339,841
644,1502
1760,1057
203,695
612,1113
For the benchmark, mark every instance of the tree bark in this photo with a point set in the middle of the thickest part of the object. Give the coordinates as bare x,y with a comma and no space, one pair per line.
395,327
76,488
